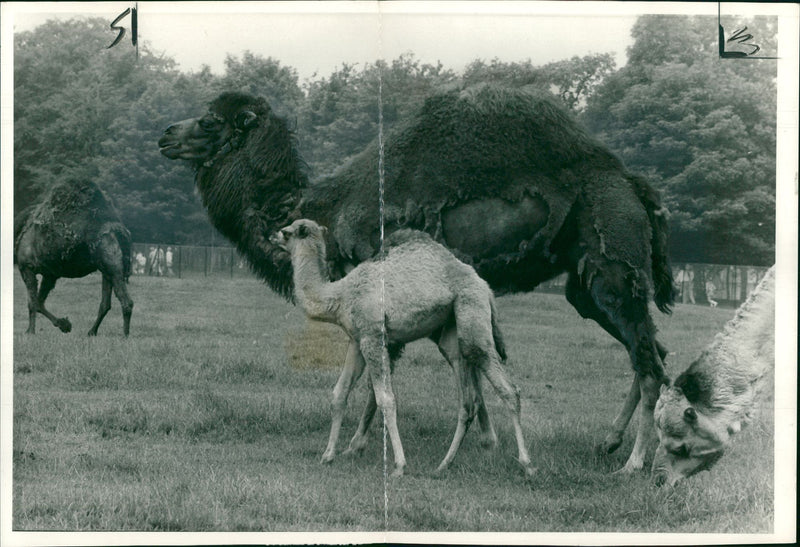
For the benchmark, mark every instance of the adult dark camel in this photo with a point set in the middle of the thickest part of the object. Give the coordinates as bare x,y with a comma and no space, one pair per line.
72,231
507,180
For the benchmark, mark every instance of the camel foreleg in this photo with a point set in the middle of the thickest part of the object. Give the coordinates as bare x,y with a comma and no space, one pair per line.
36,299
376,357
351,372
614,438
359,440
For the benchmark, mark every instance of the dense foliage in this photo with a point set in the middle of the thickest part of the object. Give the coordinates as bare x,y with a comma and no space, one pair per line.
701,129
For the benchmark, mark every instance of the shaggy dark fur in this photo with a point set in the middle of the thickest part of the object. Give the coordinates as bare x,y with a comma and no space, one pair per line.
73,231
506,179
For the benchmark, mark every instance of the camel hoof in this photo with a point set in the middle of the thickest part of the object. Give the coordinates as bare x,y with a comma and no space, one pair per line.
398,472
489,442
92,333
351,451
64,325
609,445
628,469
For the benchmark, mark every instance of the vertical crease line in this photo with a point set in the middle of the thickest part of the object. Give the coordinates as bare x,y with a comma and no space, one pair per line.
381,256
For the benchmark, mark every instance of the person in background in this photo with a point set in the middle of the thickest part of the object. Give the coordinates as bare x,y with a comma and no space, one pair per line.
140,263
710,290
168,261
160,261
685,281
151,261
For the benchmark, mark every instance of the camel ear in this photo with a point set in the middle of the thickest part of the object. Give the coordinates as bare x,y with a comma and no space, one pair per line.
324,230
245,119
690,415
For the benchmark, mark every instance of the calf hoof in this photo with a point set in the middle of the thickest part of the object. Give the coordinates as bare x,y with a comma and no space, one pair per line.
64,324
629,468
352,451
398,472
327,457
92,333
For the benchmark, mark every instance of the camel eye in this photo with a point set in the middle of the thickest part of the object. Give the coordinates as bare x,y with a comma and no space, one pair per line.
682,451
209,122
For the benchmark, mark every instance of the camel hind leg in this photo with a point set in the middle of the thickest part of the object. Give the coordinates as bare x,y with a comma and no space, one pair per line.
622,310
478,354
467,383
125,301
105,305
111,259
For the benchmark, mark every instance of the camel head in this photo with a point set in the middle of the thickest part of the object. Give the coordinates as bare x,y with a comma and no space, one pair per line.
302,230
689,438
219,131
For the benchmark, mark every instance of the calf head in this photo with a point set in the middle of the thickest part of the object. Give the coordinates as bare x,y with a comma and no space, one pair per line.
690,439
287,238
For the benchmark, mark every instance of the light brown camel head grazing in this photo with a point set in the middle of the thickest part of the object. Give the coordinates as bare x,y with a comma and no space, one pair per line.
710,401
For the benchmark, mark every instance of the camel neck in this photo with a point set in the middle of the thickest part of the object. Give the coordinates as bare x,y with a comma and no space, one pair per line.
312,284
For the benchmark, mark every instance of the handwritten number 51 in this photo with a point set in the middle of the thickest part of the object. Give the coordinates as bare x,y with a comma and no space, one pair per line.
121,29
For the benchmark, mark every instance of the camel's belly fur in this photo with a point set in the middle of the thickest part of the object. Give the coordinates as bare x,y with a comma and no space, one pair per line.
493,226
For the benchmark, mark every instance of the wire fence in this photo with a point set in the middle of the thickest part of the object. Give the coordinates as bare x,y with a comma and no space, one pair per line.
187,261
701,284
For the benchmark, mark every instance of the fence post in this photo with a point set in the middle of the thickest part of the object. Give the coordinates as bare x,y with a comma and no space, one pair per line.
205,261
231,262
180,260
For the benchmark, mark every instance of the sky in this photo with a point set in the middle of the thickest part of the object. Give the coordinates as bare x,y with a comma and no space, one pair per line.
317,38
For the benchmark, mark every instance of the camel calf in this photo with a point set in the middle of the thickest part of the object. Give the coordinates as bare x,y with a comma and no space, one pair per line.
711,400
419,289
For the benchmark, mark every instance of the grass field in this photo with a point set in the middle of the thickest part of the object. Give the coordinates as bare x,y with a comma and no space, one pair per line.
214,413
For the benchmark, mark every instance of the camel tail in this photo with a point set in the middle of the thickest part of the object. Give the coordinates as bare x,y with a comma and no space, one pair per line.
663,282
499,344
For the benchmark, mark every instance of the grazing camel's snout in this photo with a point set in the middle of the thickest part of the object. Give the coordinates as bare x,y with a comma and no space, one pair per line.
690,441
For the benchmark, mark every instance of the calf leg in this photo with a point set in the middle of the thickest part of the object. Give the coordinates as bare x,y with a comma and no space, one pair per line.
448,346
376,357
478,353
467,383
359,440
351,372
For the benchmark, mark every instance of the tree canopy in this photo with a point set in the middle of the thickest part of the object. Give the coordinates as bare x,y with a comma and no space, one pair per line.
700,128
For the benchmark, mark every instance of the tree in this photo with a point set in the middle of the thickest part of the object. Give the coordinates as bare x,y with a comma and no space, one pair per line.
703,130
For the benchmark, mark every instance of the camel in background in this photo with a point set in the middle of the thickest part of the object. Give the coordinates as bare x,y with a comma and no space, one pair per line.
72,231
